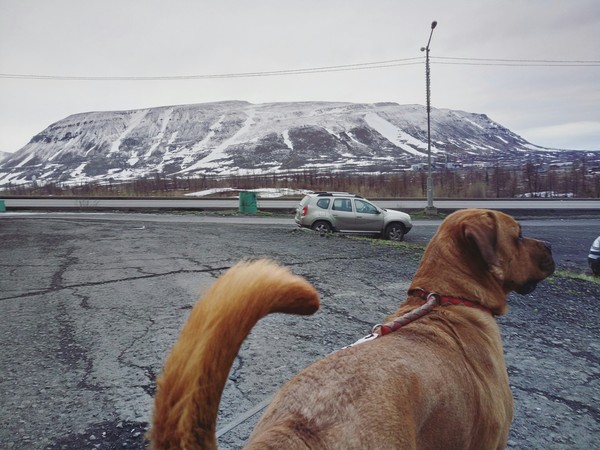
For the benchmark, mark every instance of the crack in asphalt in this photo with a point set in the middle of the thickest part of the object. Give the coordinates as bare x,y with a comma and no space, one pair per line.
84,303
235,378
66,262
71,353
148,371
574,405
55,288
346,314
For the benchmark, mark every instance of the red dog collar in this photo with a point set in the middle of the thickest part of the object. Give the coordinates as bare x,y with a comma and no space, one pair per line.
432,300
447,301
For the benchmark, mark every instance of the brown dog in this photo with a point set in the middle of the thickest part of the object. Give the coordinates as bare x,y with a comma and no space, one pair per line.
439,382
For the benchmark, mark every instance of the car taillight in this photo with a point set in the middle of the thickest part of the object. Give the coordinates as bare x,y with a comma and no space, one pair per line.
305,210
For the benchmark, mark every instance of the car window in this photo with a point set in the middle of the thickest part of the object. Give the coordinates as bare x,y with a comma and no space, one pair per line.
342,204
364,207
323,203
304,200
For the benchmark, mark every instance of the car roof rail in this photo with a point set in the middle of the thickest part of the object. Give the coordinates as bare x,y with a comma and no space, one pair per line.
331,193
334,193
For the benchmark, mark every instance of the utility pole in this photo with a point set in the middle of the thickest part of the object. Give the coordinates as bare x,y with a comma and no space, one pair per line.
430,209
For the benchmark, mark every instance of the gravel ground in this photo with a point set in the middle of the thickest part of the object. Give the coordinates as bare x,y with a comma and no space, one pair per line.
91,308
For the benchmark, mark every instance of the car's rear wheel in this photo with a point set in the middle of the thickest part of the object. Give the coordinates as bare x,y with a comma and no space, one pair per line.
321,227
395,232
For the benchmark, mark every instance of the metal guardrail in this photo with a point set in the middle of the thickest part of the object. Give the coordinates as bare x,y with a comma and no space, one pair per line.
97,203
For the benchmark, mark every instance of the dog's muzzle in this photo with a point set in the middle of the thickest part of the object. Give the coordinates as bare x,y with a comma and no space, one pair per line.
527,288
546,267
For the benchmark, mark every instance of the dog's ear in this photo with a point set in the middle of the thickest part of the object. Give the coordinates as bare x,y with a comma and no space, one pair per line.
481,233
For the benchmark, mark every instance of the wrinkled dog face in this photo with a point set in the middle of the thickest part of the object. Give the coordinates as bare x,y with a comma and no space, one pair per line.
520,262
496,241
481,254
530,260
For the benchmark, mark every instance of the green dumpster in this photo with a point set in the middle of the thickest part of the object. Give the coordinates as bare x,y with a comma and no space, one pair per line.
2,206
248,202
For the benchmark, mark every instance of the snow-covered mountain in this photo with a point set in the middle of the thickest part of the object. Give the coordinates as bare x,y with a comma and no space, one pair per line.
237,137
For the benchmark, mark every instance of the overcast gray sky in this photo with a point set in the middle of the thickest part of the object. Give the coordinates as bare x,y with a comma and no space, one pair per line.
550,105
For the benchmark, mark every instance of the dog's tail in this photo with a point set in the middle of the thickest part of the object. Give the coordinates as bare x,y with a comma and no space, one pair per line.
189,390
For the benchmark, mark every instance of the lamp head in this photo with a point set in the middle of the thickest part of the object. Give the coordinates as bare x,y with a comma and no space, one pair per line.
422,49
433,24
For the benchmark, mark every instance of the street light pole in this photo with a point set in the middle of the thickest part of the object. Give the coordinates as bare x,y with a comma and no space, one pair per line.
430,209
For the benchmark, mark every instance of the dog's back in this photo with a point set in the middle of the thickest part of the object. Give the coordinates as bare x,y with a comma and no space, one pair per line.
440,382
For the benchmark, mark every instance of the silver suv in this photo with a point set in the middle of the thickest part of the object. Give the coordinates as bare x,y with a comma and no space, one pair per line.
348,213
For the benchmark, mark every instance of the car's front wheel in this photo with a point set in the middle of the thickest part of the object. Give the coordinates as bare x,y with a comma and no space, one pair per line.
321,227
395,232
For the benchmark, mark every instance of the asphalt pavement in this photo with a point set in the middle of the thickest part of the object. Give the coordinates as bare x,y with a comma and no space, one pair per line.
92,305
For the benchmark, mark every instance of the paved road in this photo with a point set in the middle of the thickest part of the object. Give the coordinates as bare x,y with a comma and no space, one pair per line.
195,203
90,305
573,235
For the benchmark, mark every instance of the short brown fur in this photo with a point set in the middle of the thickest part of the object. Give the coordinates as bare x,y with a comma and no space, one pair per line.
437,383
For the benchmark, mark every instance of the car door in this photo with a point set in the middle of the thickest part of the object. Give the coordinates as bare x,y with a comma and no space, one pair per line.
368,216
342,214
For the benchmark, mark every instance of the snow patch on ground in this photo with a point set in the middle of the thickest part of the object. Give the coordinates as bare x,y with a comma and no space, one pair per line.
133,159
395,135
203,144
166,116
219,152
287,140
261,192
79,170
26,160
475,124
135,119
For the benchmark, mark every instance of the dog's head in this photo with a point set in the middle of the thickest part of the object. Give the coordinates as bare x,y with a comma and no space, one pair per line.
482,255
